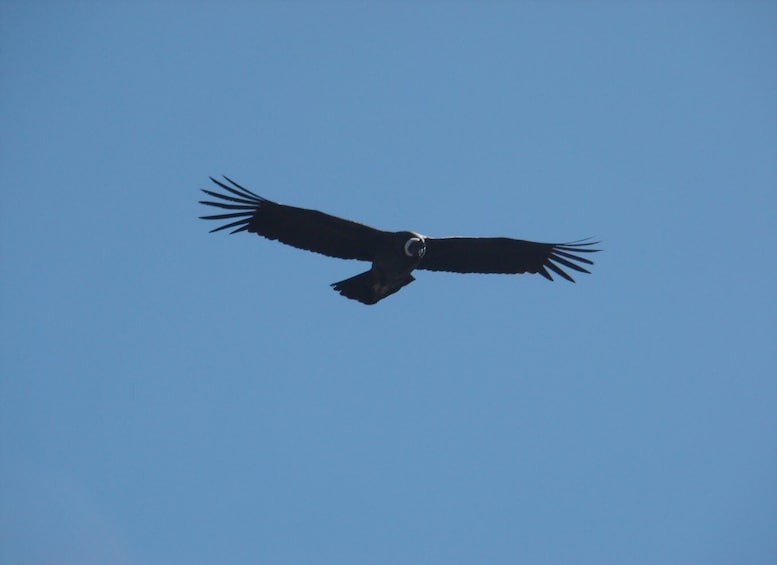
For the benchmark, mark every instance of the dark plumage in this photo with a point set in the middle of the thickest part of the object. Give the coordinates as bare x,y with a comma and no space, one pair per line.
394,255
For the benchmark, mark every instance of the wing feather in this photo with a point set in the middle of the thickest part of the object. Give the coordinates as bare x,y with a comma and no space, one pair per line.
505,255
299,227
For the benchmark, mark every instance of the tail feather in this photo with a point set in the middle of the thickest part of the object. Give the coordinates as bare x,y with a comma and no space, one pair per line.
368,289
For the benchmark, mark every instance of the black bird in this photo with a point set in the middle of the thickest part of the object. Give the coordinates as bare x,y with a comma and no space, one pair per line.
394,255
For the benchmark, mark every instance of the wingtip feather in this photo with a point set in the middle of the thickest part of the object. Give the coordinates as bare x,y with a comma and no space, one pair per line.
240,198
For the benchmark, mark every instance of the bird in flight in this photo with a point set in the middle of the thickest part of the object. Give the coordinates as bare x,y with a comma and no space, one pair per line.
394,255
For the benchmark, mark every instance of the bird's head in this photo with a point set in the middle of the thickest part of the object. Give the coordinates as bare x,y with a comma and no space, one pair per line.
415,246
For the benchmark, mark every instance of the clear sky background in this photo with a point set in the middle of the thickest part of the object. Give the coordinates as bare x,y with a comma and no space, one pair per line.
173,396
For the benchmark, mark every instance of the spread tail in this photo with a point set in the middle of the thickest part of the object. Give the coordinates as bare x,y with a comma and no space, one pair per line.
367,289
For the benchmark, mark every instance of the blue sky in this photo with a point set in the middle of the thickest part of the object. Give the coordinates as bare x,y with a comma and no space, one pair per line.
169,395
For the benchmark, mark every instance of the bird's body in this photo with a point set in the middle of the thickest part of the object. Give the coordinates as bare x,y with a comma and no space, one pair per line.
394,255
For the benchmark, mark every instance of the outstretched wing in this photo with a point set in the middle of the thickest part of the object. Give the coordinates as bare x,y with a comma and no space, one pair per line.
505,255
306,229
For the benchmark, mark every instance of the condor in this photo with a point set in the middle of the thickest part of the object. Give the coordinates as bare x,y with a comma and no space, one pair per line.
394,255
